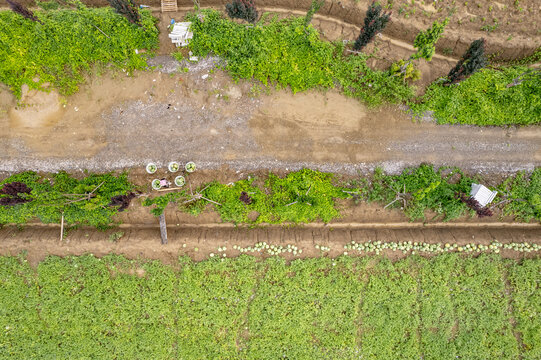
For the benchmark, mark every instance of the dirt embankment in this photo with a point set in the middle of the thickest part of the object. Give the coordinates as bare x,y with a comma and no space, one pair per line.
510,27
202,241
138,235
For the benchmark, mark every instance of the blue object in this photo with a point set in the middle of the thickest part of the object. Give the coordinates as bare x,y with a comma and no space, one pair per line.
143,6
172,21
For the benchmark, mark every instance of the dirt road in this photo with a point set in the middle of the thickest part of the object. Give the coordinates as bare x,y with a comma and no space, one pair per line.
119,121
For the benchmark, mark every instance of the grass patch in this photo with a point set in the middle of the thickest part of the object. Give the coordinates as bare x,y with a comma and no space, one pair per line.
68,44
485,100
390,310
525,281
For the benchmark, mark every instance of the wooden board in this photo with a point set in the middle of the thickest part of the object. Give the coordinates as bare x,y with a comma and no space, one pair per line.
169,5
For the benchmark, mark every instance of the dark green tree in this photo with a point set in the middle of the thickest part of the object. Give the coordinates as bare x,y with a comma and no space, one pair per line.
242,9
127,9
473,60
23,11
374,22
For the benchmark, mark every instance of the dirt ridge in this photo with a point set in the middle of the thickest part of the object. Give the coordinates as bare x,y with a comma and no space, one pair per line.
199,243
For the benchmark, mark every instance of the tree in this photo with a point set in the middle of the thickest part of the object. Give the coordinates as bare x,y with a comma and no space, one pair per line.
23,11
127,9
374,22
425,41
314,8
473,60
242,9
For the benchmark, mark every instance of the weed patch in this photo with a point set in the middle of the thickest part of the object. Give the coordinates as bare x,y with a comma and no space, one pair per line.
68,44
487,98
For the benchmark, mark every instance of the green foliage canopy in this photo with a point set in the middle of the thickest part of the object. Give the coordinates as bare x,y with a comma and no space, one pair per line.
288,53
60,193
68,44
484,99
441,307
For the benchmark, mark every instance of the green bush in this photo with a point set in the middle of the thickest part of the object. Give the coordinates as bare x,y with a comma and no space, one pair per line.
288,53
68,44
522,196
61,194
425,189
484,99
302,196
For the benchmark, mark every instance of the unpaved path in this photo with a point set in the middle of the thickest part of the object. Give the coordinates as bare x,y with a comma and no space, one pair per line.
200,241
119,121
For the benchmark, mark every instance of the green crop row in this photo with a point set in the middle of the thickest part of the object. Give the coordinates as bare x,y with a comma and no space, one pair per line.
288,53
85,201
300,197
68,44
486,98
307,196
444,307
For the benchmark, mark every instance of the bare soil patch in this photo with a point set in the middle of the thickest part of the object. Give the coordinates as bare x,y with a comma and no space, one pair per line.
200,242
118,121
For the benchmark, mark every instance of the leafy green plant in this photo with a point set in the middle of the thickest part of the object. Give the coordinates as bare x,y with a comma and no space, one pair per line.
69,44
406,70
485,99
522,196
162,201
301,196
233,208
425,41
48,5
420,189
85,201
314,8
287,53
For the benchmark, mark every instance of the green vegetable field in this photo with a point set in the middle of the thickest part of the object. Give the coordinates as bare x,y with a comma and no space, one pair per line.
68,45
445,307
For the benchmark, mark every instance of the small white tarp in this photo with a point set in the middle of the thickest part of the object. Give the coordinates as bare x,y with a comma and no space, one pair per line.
482,194
181,34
